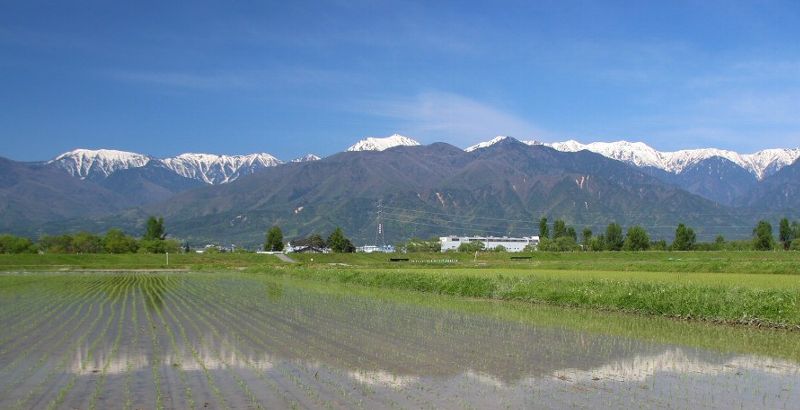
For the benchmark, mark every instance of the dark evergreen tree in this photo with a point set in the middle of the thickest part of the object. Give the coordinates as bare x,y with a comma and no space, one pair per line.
543,231
785,234
614,239
274,240
637,239
762,237
155,229
685,238
339,243
559,229
586,238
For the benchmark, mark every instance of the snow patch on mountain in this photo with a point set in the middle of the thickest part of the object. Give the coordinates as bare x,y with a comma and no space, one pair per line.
380,144
219,169
86,163
307,158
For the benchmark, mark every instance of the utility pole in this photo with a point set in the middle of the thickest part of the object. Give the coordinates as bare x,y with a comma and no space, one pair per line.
380,239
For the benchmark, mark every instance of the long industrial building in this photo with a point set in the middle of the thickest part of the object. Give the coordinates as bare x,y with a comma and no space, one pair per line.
451,243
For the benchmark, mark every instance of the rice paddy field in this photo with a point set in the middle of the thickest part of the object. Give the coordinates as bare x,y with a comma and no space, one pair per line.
267,335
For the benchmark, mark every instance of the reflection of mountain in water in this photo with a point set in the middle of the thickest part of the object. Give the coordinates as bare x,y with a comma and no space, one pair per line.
379,341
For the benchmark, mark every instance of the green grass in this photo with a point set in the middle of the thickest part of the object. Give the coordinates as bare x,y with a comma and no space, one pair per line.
730,300
752,288
657,261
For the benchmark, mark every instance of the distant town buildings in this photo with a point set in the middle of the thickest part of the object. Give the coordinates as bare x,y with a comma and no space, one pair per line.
451,243
375,248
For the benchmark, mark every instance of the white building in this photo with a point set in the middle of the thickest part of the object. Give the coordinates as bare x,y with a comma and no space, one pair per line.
451,243
375,248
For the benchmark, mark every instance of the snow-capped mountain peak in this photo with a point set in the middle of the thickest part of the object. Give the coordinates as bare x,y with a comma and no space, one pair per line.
307,158
486,144
86,163
636,153
380,144
761,164
219,169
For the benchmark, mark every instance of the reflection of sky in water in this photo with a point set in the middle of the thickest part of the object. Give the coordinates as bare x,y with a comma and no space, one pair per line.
312,346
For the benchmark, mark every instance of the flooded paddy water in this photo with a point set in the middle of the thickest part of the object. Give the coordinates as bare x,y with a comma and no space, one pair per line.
194,340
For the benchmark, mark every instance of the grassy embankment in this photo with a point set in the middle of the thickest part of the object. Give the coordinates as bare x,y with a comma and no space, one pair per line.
751,288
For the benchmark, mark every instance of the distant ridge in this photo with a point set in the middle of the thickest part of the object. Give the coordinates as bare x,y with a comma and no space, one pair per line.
761,164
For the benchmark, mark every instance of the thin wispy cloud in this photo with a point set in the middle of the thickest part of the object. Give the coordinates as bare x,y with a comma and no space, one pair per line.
237,79
454,118
185,80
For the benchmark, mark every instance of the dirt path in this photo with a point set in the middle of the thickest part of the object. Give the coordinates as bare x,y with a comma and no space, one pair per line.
285,258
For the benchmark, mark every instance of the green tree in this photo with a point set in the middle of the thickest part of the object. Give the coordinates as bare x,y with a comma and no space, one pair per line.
586,238
614,239
785,234
274,241
543,231
85,242
636,239
159,246
564,244
762,237
684,238
597,243
572,234
471,247
116,241
16,244
659,245
56,244
339,243
155,229
559,229
421,245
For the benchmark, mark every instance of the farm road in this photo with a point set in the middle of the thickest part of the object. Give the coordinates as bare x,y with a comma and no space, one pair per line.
285,258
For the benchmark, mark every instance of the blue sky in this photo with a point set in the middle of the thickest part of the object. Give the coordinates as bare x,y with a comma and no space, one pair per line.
293,77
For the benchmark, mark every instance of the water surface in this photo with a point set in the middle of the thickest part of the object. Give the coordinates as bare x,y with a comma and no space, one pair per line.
247,341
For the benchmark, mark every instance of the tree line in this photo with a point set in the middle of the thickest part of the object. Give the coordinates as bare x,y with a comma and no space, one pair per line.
564,238
337,242
114,240
636,238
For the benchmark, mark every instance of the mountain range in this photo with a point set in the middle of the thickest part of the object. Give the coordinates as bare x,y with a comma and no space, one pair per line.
496,187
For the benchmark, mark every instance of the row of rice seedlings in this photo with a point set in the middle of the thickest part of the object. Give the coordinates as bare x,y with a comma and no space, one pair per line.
247,330
114,348
24,314
242,385
55,312
62,393
345,327
198,308
217,393
127,392
195,310
403,339
69,351
155,365
54,339
181,374
404,344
